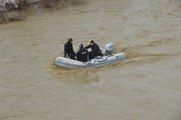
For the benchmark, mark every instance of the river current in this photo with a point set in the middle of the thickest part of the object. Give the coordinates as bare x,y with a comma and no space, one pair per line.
145,86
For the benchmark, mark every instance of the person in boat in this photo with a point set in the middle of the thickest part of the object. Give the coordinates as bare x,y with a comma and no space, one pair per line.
82,54
68,49
95,50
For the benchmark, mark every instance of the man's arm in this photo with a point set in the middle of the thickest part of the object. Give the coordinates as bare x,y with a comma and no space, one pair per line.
87,47
72,49
65,49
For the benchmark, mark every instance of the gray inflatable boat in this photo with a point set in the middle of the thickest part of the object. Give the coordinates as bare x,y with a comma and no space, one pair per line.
99,61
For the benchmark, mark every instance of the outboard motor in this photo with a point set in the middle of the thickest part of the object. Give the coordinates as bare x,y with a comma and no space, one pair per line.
109,49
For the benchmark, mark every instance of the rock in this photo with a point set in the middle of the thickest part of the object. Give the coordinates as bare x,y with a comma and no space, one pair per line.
6,15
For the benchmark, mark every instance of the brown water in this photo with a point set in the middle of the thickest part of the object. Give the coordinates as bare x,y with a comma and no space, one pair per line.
146,86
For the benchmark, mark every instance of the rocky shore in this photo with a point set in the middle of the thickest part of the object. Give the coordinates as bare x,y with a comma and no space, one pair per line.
26,6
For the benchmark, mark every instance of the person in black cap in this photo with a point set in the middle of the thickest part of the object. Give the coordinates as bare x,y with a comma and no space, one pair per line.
95,49
68,49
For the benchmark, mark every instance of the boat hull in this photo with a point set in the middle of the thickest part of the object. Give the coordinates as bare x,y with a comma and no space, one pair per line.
97,62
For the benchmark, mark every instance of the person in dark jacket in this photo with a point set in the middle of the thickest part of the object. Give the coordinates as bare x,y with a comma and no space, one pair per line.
95,49
82,54
68,49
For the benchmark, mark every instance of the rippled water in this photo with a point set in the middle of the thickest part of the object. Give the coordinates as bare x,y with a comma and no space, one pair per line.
145,86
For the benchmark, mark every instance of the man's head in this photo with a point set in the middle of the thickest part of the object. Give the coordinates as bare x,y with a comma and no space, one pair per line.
92,42
70,40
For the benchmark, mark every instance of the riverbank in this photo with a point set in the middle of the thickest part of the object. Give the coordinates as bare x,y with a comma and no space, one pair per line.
26,7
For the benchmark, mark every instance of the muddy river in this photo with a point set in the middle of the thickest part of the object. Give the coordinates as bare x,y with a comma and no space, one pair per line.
145,86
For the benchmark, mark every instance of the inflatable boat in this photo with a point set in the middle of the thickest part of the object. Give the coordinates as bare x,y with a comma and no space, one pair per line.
106,58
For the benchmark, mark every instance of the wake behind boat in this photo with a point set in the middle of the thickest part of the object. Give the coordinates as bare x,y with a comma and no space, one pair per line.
106,58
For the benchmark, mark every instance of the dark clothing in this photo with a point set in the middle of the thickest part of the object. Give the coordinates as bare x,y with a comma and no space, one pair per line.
95,47
68,50
82,54
95,51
